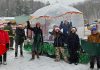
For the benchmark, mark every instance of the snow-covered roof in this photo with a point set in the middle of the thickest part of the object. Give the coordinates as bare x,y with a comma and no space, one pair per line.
54,10
6,18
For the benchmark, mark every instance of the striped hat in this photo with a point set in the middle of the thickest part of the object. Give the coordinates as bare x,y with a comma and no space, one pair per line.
1,25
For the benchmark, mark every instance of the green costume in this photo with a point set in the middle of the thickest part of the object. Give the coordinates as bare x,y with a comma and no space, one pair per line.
92,49
9,29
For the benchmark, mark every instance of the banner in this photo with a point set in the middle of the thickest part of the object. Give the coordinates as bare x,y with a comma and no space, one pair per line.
93,49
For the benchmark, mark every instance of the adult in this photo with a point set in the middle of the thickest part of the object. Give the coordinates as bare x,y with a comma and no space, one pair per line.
19,39
9,29
4,45
66,26
38,39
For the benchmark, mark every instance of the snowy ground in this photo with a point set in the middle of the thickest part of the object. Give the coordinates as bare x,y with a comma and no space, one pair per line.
44,63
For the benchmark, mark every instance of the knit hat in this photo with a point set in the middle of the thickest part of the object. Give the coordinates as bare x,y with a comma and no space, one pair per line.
57,28
93,29
38,24
1,25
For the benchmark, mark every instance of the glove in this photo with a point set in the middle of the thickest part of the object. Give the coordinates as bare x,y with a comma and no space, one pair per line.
82,51
7,45
25,37
28,23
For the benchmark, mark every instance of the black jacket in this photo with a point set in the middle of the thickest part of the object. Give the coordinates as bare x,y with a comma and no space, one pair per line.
20,36
36,31
59,41
73,42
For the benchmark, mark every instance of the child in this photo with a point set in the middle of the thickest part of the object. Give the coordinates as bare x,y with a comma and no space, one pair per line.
73,46
94,38
59,44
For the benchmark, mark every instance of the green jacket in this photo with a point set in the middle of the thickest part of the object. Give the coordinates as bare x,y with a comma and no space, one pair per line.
9,30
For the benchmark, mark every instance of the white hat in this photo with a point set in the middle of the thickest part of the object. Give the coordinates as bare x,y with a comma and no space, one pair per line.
1,25
57,28
50,30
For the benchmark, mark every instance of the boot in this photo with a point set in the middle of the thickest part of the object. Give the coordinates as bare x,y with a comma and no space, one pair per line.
33,56
0,62
4,63
57,60
15,54
37,55
98,68
21,54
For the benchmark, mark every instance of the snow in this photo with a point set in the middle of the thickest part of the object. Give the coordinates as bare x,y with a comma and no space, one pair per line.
44,63
54,10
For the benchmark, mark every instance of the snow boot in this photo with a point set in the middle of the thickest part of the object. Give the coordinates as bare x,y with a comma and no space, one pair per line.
33,56
37,55
98,68
21,54
4,63
76,63
57,60
0,62
15,54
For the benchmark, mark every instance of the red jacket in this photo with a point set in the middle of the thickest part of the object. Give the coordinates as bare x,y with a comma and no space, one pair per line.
4,38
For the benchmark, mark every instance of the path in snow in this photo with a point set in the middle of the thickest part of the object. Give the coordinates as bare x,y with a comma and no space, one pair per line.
44,63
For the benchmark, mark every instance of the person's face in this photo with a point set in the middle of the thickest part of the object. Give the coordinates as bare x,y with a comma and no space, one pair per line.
57,30
1,27
65,22
73,30
94,31
38,26
20,26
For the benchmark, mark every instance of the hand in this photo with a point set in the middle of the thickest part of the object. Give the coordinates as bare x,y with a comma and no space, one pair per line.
25,37
7,45
42,43
28,23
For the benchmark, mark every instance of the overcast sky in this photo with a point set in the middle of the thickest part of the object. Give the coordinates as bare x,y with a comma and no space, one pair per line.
62,1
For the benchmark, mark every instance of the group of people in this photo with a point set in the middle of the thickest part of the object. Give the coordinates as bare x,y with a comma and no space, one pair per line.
67,36
7,37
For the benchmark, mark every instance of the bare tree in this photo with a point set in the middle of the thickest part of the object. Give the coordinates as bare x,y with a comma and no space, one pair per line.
90,9
19,7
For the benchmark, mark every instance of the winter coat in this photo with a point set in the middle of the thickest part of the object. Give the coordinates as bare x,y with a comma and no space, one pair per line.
73,42
9,29
59,40
20,36
94,38
4,37
66,27
65,37
37,32
4,42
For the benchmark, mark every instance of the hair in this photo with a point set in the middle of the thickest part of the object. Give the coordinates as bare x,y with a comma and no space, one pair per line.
72,28
38,24
62,22
75,28
56,34
9,23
